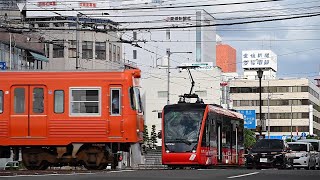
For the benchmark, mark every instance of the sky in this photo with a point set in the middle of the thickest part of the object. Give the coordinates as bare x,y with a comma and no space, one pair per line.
296,41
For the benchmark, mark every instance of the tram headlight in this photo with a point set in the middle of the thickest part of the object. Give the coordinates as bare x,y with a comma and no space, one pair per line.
167,151
194,151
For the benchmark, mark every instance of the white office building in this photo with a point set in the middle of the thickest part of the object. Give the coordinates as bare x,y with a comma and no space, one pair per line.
290,106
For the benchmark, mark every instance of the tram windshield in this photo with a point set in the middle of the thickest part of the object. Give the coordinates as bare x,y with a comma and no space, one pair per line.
181,128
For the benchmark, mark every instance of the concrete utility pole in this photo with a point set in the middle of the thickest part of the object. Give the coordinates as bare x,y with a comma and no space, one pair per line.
10,51
77,42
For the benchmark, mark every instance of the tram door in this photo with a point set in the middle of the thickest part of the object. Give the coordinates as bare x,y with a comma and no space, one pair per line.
28,114
219,141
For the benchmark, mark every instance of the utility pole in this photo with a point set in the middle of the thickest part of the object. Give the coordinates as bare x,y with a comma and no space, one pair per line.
10,51
168,86
77,42
291,120
268,112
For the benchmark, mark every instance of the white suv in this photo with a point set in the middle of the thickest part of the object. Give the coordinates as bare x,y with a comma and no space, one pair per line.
303,155
316,145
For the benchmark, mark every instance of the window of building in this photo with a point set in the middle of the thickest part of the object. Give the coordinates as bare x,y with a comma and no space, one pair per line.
134,35
58,49
162,94
168,34
87,51
134,54
110,52
114,50
84,102
159,115
115,101
118,53
38,100
201,93
19,100
72,49
58,101
1,102
100,50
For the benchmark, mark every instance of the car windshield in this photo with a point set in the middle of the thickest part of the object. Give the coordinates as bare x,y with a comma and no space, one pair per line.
268,144
298,147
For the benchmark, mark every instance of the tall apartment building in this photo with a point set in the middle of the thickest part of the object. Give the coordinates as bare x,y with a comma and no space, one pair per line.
226,58
286,103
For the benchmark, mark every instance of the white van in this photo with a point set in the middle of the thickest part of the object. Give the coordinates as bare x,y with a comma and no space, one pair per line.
316,145
303,155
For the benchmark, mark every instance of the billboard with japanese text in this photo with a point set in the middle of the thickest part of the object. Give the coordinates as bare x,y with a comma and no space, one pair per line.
255,59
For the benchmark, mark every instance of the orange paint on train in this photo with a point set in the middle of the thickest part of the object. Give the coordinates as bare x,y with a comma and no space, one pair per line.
83,113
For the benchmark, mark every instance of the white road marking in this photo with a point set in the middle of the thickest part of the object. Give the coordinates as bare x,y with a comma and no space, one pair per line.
242,175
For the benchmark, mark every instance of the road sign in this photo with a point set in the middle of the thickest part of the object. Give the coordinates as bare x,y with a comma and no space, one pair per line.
3,65
249,116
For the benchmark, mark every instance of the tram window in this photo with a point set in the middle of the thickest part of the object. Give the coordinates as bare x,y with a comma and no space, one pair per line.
1,102
115,102
85,102
226,132
19,100
59,101
38,100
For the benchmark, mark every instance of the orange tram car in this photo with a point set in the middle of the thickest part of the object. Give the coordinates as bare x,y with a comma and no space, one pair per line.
201,135
69,118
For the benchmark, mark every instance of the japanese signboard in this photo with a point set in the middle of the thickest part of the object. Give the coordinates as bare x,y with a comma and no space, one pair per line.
259,59
49,3
202,65
178,18
249,117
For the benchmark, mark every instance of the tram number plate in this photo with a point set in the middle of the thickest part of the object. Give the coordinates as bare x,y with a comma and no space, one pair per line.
264,160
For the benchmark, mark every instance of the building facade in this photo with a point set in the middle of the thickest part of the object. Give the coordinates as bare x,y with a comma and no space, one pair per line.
289,106
96,49
226,58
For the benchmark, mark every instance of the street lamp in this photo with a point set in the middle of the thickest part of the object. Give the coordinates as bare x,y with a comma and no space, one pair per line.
168,86
260,73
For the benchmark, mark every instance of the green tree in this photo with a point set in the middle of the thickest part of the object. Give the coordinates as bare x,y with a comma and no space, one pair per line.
145,135
153,135
249,138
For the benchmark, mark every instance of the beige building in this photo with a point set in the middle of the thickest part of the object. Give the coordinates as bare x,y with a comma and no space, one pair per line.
281,100
96,50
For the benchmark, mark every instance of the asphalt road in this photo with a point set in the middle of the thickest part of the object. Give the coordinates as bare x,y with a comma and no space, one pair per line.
210,174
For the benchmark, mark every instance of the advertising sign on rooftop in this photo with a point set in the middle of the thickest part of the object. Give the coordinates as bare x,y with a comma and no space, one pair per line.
255,59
